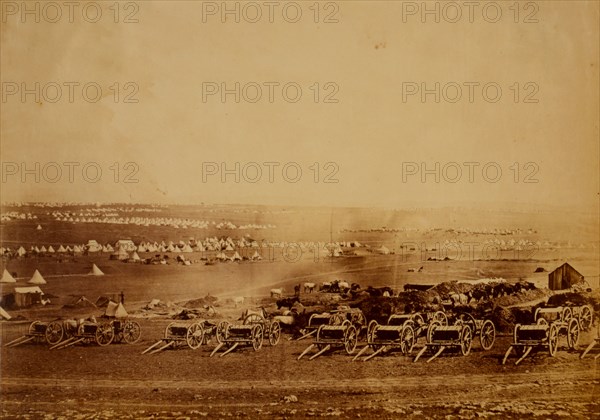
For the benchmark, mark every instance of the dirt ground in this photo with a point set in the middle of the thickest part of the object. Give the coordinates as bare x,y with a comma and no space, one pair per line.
118,382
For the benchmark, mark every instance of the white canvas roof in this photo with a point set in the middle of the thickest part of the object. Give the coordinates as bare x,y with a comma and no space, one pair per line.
28,289
7,277
37,278
96,271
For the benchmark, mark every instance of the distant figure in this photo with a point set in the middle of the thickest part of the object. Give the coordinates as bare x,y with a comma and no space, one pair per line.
122,297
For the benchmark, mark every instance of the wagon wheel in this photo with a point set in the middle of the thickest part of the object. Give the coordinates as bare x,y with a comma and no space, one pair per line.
431,329
585,318
350,339
466,340
194,335
466,319
131,332
274,333
221,330
418,320
337,319
407,339
32,328
104,334
253,319
358,319
32,331
573,333
487,335
371,330
54,333
440,317
552,339
567,314
320,346
257,337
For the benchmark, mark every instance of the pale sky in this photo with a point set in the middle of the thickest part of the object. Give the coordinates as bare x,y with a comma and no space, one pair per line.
368,55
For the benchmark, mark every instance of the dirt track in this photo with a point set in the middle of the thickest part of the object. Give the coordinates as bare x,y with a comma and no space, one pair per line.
117,382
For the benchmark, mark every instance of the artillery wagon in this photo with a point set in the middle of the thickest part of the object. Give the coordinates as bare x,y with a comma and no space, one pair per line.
401,332
329,337
337,317
550,324
458,336
100,333
178,334
254,330
41,332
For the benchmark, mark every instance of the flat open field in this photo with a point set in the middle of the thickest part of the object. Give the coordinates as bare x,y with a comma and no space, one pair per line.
118,382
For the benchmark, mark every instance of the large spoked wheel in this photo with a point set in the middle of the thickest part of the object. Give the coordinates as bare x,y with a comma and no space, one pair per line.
319,346
552,339
257,337
253,319
220,333
585,318
274,333
573,333
32,327
466,319
131,332
440,317
418,320
487,335
358,319
567,314
54,333
407,339
194,336
466,340
350,339
104,334
337,319
432,327
371,328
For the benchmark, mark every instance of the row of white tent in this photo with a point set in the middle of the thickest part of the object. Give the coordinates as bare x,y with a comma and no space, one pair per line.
15,215
176,223
37,277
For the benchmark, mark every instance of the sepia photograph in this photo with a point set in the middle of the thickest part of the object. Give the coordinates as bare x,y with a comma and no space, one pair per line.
375,209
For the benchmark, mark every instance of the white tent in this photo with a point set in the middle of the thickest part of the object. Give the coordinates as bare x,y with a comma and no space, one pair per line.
116,310
96,271
39,227
256,256
236,257
37,278
221,256
21,251
61,249
383,250
7,277
50,249
135,256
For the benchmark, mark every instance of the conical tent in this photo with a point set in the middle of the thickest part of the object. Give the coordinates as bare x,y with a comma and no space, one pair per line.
61,249
135,256
50,249
7,277
236,257
116,310
96,271
39,227
37,278
21,251
256,256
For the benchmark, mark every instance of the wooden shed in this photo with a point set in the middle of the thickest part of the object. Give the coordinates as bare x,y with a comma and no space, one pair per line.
564,277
